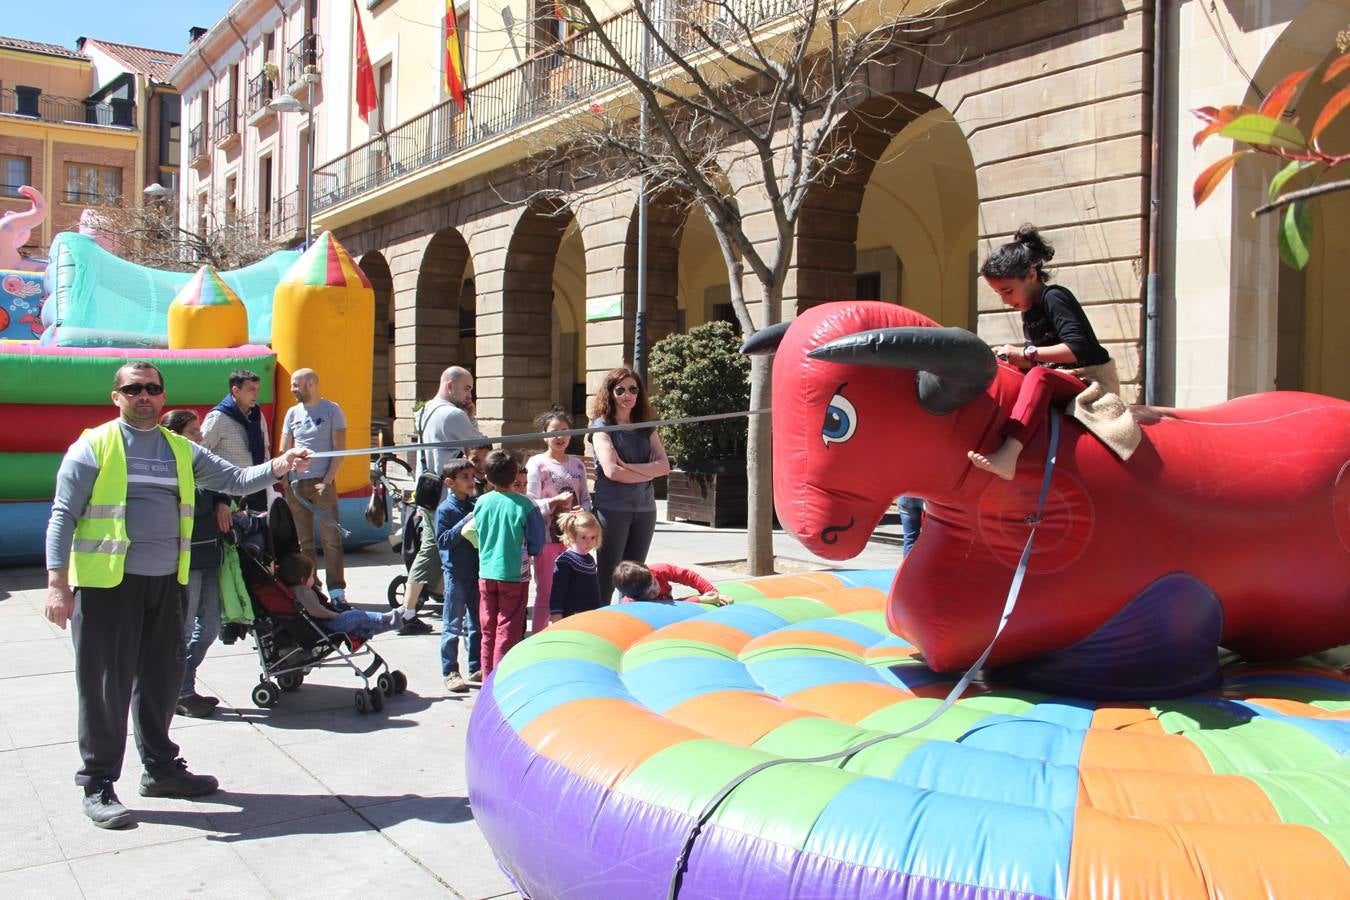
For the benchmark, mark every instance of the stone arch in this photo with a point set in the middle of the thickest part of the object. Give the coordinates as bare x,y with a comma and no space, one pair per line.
1289,327
666,213
382,375
526,326
827,233
684,265
431,335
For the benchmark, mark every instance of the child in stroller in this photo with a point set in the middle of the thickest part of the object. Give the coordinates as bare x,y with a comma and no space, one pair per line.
292,637
297,573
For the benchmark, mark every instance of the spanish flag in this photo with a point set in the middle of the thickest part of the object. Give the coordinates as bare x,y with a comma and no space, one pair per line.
454,65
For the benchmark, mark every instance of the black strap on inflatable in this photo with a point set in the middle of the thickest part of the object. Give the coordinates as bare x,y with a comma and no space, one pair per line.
682,862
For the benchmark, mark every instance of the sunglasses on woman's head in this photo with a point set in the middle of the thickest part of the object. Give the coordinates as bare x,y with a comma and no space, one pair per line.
134,390
620,391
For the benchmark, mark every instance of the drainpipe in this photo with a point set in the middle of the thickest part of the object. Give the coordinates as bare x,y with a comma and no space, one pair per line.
640,314
1155,205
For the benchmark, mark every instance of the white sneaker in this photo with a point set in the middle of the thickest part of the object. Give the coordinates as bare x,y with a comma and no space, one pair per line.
455,684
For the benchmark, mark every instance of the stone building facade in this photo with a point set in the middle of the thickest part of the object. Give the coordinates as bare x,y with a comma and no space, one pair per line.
1013,112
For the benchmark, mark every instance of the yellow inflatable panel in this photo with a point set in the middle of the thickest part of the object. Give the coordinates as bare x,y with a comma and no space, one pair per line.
206,314
323,318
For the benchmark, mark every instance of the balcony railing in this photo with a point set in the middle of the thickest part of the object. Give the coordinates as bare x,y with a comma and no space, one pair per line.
259,93
31,102
225,122
300,56
197,141
544,84
282,219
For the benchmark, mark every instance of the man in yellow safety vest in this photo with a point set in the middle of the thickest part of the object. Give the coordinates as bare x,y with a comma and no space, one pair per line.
117,563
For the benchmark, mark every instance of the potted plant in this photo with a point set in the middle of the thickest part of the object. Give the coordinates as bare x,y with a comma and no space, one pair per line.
699,373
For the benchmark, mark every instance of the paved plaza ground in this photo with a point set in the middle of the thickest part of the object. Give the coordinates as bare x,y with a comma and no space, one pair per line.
315,800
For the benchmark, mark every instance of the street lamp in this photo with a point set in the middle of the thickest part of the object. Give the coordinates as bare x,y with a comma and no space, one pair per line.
288,103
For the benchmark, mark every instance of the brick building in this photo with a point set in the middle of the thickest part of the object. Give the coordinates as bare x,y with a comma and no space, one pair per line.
76,126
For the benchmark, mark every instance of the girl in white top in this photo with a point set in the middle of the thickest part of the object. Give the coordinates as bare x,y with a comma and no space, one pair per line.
553,475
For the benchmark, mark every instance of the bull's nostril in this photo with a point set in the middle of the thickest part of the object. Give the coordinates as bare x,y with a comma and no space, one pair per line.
830,533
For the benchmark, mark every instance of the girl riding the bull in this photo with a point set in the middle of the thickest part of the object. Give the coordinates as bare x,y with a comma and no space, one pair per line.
1062,355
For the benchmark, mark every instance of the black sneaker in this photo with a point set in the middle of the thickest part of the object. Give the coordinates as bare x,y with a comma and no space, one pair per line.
196,707
174,780
103,808
415,626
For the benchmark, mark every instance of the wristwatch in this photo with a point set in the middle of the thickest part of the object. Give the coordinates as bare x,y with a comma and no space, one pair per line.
1030,352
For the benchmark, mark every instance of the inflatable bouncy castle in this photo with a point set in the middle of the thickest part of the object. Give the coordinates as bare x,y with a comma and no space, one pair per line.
97,311
1105,677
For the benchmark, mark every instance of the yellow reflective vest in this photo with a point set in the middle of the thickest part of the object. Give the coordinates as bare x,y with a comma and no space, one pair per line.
99,551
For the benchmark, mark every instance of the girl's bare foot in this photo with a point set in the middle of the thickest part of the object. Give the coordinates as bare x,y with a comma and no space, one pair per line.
1002,462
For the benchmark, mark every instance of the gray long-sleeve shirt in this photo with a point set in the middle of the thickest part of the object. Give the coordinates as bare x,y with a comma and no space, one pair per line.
152,497
442,420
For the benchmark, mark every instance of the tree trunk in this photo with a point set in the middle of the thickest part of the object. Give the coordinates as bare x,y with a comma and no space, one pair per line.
759,465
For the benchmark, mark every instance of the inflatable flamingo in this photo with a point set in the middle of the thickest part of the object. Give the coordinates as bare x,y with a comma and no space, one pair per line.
15,228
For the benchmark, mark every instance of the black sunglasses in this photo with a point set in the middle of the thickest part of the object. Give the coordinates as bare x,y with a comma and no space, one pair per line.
620,391
134,390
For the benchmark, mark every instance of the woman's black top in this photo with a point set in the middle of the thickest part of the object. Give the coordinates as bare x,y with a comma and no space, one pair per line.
1058,318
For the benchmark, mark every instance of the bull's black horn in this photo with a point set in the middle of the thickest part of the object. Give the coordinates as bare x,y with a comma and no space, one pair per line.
766,340
954,365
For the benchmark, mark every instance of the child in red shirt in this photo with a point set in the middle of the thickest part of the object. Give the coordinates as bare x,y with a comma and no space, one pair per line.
637,581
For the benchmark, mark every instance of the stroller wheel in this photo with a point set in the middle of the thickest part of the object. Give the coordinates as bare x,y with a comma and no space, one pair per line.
397,587
400,681
376,699
362,702
289,682
385,683
265,695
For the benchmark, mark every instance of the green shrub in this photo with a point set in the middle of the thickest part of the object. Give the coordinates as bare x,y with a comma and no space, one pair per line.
701,373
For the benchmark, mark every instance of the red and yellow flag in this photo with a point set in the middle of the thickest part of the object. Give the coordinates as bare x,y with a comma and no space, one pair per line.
367,98
454,65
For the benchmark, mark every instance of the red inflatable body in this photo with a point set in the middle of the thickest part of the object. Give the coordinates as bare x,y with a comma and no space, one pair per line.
1250,499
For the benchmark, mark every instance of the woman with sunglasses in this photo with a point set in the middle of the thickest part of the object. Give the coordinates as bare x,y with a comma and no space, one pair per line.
625,464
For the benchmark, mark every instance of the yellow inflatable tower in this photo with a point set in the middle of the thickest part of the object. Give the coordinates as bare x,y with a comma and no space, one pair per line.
323,318
206,314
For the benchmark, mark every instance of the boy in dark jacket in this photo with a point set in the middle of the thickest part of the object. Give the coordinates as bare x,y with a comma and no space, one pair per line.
459,559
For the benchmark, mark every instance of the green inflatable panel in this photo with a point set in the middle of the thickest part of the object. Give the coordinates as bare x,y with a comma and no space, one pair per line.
79,377
28,476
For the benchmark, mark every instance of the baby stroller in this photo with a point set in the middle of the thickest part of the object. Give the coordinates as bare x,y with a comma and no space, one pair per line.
289,641
410,521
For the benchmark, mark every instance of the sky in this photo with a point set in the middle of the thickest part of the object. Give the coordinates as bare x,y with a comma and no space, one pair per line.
156,24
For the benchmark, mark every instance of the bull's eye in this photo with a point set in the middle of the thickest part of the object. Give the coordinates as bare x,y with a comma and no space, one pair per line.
841,420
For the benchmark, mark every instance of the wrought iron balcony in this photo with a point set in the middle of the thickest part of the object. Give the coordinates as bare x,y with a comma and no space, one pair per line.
197,150
301,57
259,94
33,103
282,219
225,122
545,84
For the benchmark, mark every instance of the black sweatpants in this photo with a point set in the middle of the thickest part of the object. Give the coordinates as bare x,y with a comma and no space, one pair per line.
129,654
627,535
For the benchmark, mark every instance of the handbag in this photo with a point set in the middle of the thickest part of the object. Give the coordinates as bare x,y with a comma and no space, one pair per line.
377,507
427,491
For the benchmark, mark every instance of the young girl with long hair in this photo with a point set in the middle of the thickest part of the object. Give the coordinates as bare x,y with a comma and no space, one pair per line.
553,475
